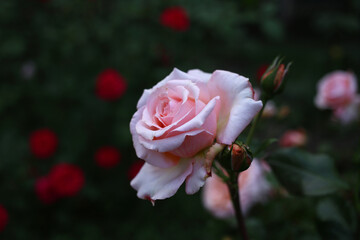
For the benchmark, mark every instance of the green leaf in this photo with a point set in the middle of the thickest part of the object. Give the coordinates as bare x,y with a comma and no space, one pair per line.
302,173
264,145
335,219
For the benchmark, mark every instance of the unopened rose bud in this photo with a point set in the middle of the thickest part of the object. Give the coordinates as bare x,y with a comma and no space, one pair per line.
272,81
241,157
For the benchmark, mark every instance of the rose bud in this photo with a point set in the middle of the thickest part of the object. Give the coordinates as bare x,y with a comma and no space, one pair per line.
272,82
241,157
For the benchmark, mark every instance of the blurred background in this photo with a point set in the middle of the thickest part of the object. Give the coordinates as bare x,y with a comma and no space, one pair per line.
72,71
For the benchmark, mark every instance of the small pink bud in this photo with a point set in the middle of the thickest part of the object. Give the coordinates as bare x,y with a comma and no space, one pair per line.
272,80
241,157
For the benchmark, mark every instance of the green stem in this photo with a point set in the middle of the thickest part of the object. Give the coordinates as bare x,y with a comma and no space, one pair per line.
235,198
257,118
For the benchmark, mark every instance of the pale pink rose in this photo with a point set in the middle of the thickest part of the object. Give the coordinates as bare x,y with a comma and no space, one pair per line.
253,187
177,123
293,138
336,89
349,113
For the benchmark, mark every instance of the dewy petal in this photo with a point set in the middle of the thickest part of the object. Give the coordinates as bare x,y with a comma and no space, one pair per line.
155,158
237,107
198,176
159,183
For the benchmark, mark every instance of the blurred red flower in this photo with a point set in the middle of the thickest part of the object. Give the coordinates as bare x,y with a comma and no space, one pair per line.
175,18
293,138
3,218
43,143
66,179
107,157
110,85
44,190
134,169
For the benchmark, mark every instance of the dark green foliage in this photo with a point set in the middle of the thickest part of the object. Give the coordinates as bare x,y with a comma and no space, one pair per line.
302,173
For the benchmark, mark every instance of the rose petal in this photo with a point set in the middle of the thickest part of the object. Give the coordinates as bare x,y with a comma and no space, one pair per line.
149,134
160,183
211,154
169,143
203,76
194,144
200,118
198,176
188,85
152,157
176,74
237,107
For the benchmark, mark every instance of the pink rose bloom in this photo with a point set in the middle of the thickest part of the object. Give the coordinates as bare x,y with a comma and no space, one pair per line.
253,188
293,138
349,113
336,89
182,122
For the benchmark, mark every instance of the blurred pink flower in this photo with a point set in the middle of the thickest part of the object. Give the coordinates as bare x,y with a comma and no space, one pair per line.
293,138
177,122
336,90
253,186
349,113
